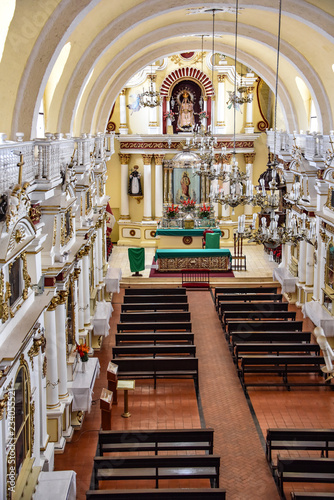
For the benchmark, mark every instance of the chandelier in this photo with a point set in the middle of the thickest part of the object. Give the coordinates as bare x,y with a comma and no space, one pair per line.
242,94
150,98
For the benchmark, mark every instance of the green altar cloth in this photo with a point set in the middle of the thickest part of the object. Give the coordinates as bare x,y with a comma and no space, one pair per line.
169,253
212,240
198,231
137,259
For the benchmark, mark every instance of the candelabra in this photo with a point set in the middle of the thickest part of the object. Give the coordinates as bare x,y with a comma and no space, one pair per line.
150,98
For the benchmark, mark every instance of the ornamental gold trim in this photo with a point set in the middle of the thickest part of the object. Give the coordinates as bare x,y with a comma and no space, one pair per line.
66,233
54,231
26,276
3,405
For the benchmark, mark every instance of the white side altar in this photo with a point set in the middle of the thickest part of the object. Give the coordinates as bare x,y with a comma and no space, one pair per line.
112,279
82,387
101,318
57,485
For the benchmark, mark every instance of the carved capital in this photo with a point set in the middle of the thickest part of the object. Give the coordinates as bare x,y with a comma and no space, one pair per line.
124,159
62,296
249,157
159,159
147,159
53,303
76,273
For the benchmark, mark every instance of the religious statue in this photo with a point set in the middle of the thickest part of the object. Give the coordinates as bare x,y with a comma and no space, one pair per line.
134,182
186,119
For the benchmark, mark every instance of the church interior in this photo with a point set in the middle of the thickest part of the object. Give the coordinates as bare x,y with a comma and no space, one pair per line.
167,238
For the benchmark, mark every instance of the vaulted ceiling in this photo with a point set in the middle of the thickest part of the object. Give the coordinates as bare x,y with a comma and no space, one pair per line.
83,52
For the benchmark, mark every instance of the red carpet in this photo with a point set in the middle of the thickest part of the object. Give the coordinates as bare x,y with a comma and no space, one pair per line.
214,274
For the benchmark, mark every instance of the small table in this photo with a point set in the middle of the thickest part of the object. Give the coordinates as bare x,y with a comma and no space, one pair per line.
126,385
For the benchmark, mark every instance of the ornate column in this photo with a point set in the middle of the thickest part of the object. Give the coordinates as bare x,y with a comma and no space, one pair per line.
84,284
99,250
76,295
124,159
220,123
81,321
147,216
61,343
309,265
153,112
302,262
249,160
249,126
158,186
320,265
52,380
123,129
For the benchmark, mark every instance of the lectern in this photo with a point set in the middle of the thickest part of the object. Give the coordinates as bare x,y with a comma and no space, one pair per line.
112,378
106,407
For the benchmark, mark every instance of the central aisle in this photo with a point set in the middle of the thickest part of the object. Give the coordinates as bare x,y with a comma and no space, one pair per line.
244,471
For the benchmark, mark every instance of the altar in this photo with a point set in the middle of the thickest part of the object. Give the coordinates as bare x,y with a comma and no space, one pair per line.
182,238
176,259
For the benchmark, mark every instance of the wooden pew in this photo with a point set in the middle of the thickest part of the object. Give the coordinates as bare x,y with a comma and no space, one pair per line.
154,368
258,316
242,348
304,470
155,326
282,365
264,326
228,290
139,317
158,494
155,291
311,495
251,306
155,338
154,350
155,440
321,440
156,467
274,297
143,299
242,337
155,306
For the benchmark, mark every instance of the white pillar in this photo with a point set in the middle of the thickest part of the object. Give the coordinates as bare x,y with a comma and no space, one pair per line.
80,295
321,264
249,159
220,124
302,262
52,396
147,216
86,292
153,112
123,129
42,365
309,265
99,249
61,343
249,126
158,186
125,213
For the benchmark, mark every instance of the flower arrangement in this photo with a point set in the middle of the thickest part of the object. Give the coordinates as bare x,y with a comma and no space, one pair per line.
83,351
202,115
170,115
188,205
204,211
172,211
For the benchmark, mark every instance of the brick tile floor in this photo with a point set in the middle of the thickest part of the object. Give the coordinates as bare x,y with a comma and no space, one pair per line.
223,405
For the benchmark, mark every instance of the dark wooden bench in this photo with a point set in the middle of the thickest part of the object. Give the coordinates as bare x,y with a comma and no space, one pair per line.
139,317
304,470
155,440
274,297
282,365
154,350
258,316
156,306
287,337
264,326
311,495
154,368
155,291
251,306
299,439
142,299
245,289
274,348
156,468
160,494
154,337
155,326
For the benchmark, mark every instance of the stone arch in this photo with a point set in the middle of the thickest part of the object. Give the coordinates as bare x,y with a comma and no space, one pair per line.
190,74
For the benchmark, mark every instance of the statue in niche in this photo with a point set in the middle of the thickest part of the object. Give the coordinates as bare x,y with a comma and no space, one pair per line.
186,119
135,183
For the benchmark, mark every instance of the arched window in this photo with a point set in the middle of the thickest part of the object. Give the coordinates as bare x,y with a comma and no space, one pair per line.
22,418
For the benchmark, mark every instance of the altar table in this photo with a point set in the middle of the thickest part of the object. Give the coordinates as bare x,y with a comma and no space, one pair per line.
182,238
177,259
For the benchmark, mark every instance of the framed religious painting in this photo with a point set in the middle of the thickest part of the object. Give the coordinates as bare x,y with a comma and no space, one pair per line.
186,185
